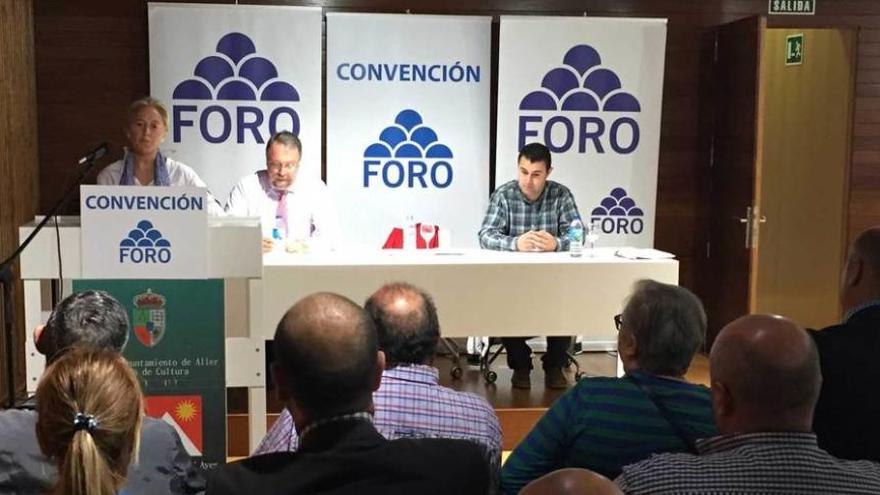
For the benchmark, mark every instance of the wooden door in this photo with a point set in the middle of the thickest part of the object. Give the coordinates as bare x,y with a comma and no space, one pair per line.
736,164
807,122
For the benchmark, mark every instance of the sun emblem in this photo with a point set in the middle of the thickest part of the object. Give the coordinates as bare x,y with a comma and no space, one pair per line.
185,411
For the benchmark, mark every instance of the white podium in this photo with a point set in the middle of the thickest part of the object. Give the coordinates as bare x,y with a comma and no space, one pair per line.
233,252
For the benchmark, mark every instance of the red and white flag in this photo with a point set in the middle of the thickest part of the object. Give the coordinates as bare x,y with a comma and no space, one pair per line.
184,414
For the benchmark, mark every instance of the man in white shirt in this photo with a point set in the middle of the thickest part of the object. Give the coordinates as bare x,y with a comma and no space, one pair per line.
289,207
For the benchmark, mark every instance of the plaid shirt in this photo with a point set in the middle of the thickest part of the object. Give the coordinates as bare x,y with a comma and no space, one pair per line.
510,215
410,403
751,464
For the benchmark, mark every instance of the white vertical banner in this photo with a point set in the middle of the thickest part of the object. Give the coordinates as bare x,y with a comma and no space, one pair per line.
408,122
231,76
591,90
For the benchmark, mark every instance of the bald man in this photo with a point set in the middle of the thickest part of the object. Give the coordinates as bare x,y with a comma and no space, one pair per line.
328,364
410,402
847,419
571,481
765,382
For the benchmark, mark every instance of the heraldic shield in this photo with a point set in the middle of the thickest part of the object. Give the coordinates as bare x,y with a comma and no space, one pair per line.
148,317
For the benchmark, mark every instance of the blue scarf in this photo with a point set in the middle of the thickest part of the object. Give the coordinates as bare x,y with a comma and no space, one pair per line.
161,171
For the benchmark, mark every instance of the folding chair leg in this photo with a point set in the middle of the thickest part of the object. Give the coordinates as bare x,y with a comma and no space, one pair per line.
488,357
455,355
578,374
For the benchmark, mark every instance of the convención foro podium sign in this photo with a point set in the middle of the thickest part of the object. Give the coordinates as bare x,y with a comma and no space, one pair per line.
144,232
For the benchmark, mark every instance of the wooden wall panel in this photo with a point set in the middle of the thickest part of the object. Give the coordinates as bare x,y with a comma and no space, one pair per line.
92,60
18,157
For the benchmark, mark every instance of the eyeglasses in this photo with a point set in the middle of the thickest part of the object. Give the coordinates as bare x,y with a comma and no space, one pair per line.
618,321
285,166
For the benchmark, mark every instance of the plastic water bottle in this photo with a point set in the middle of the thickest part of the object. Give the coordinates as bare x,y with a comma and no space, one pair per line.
279,233
576,238
409,234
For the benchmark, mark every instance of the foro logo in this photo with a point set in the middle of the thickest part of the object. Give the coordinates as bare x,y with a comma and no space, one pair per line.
236,74
408,155
618,214
585,100
144,244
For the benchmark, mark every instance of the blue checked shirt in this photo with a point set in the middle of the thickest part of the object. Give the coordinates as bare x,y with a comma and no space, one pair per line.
510,215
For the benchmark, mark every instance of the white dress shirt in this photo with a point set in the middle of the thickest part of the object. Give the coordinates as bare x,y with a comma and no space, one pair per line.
311,215
178,174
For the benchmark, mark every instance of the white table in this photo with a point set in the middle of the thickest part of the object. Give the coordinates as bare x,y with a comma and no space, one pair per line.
476,292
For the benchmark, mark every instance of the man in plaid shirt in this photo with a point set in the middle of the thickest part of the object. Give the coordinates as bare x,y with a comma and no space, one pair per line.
531,214
410,402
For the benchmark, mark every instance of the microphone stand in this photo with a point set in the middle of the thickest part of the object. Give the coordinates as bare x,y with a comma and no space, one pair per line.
6,278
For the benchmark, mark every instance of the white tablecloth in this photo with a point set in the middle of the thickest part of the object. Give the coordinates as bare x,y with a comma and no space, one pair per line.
477,292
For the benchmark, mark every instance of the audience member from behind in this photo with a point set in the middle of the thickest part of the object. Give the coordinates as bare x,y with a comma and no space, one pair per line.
410,401
765,382
328,365
89,411
847,419
602,423
94,320
143,163
571,481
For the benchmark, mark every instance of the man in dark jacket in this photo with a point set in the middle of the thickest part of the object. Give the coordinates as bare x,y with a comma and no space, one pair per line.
328,366
89,319
847,418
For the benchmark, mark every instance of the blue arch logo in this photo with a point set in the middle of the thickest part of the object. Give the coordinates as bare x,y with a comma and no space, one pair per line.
144,244
235,72
232,75
408,154
618,213
581,105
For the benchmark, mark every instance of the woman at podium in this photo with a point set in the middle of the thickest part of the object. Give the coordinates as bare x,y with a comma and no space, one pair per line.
143,163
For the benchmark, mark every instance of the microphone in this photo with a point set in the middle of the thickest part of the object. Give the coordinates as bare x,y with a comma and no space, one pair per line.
93,155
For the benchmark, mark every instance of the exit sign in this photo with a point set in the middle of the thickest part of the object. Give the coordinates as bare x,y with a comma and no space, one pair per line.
792,7
794,49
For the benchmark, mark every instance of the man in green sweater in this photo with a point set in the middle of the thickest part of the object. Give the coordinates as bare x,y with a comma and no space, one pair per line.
603,424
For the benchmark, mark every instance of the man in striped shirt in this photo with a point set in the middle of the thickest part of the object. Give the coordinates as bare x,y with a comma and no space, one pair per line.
410,401
604,423
765,383
531,213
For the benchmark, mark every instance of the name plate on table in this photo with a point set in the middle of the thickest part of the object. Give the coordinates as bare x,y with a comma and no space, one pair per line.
144,232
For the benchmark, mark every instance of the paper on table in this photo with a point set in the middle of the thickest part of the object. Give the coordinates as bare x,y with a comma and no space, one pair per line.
643,254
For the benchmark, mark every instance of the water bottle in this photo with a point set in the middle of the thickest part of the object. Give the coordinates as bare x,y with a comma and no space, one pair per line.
409,234
576,238
279,233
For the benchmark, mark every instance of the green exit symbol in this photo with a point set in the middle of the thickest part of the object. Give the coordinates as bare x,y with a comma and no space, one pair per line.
794,49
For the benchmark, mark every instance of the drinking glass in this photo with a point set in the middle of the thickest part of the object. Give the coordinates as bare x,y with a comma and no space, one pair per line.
592,235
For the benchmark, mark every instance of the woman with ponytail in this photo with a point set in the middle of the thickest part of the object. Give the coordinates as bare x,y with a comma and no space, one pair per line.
90,409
